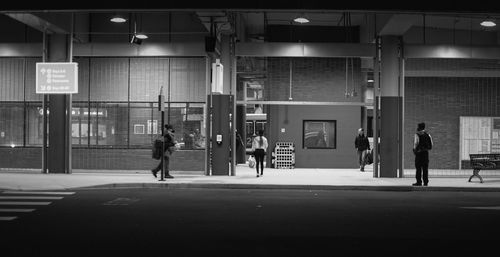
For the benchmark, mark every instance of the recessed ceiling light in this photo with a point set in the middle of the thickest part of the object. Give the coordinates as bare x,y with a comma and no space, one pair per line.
301,19
488,23
118,19
141,36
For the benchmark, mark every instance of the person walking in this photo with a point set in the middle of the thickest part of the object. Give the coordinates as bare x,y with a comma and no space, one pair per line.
422,143
361,144
169,141
259,148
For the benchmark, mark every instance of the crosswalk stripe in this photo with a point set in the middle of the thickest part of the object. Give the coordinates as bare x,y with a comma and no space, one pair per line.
31,197
24,203
7,218
16,210
38,193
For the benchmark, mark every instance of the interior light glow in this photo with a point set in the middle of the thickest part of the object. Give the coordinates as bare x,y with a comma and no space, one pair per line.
301,20
118,19
141,36
488,23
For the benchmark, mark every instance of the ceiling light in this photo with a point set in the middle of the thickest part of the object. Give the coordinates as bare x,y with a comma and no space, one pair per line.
370,81
301,19
488,23
141,36
118,19
135,40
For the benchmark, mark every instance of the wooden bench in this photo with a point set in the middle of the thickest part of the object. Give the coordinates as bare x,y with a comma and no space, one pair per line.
480,162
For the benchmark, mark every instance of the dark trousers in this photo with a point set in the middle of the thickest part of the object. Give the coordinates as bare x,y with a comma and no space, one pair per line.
166,157
361,158
422,166
259,159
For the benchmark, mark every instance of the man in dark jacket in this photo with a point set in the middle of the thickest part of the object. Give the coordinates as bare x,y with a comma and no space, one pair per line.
361,143
169,142
422,143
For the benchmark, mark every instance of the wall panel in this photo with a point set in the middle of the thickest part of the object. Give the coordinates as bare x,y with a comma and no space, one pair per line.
11,79
109,79
147,75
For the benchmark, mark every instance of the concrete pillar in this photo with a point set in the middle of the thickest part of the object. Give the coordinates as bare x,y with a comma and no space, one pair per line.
390,108
228,60
59,140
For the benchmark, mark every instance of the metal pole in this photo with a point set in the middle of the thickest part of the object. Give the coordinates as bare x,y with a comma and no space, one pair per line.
162,145
44,110
161,107
69,107
376,92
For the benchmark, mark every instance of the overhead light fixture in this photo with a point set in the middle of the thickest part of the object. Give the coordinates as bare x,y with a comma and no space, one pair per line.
489,22
137,37
301,19
118,19
135,40
141,36
370,81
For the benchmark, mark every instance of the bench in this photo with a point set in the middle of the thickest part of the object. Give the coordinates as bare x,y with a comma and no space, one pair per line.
480,162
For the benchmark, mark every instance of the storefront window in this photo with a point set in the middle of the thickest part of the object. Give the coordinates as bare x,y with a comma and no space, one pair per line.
108,124
34,124
319,134
11,124
143,127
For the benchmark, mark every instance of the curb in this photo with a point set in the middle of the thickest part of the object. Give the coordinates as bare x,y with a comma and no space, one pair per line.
287,187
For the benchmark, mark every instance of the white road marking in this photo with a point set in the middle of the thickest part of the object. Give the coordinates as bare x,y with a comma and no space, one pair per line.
31,197
483,208
7,218
24,203
16,210
38,193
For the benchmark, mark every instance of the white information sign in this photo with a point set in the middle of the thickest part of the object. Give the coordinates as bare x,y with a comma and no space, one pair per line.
56,78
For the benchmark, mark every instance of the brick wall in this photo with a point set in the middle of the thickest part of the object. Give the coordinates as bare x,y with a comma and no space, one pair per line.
104,159
439,102
313,79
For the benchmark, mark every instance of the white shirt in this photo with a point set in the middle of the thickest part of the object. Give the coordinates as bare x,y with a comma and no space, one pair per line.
256,144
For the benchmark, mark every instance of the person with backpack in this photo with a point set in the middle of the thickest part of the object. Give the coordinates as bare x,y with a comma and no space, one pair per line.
169,141
259,148
422,143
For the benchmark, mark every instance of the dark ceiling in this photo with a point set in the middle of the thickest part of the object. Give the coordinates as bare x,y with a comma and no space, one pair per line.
379,5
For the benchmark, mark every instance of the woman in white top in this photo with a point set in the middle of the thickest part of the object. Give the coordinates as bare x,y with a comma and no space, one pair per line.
259,148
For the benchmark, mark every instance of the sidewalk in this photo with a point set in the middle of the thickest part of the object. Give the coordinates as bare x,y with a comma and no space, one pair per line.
318,179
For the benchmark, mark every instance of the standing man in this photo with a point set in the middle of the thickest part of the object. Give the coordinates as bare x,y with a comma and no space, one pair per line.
169,141
422,143
362,144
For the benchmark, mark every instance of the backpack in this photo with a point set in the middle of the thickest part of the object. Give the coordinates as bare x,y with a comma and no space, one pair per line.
157,145
424,142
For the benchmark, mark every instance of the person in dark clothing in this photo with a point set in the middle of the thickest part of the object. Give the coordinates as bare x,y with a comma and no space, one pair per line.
362,144
169,142
422,143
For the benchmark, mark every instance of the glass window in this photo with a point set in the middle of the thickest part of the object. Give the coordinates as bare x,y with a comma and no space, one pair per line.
11,124
34,124
80,124
319,134
193,134
143,126
108,124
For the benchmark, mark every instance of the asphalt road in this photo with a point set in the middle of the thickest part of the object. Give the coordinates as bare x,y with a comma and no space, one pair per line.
236,222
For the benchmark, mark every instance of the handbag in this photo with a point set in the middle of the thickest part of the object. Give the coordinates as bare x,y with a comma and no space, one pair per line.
251,161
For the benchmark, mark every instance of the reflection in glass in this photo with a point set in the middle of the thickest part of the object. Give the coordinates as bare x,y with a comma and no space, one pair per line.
319,134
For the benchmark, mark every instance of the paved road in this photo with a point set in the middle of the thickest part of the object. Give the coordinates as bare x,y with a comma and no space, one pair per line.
224,222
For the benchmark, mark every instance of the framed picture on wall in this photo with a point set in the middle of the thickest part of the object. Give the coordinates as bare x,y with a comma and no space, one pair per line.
319,134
